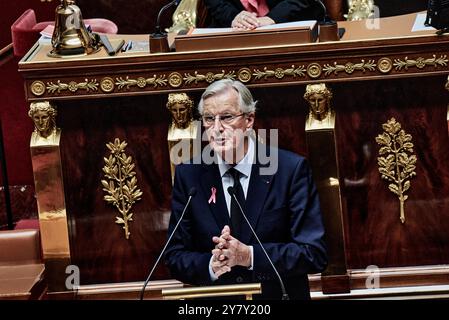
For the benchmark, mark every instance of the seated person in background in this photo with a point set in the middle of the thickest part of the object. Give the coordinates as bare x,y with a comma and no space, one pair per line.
250,14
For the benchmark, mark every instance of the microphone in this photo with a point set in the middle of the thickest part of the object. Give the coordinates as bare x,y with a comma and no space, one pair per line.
285,296
157,30
192,193
158,39
325,17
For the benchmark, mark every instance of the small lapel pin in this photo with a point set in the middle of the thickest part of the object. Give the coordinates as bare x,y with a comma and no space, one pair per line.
213,197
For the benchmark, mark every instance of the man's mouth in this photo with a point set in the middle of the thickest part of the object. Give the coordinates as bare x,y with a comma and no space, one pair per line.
220,141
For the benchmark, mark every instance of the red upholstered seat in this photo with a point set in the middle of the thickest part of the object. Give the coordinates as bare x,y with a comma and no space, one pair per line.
27,224
25,30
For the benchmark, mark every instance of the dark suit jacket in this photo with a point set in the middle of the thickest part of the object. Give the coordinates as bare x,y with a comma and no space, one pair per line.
222,12
283,209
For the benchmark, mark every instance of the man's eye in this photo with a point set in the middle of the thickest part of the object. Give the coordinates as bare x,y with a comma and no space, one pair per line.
227,117
209,118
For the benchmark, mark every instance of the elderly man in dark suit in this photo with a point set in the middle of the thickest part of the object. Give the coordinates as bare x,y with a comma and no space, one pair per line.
214,244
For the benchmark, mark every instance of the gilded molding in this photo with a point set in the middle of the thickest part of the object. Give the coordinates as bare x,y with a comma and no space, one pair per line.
107,84
396,160
244,75
314,70
140,82
208,77
279,73
349,67
420,62
38,88
121,187
384,65
72,86
175,79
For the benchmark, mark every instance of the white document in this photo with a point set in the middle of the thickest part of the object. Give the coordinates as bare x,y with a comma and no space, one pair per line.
295,24
419,23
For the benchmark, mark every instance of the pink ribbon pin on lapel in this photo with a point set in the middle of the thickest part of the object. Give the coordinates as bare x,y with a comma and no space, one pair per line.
213,195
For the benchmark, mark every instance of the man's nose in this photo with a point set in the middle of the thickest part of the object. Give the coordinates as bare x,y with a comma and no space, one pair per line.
219,126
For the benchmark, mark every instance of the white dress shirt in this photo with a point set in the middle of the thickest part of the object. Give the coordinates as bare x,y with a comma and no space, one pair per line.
244,166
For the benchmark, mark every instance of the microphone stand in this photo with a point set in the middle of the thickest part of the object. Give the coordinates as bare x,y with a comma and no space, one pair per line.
159,39
284,292
191,194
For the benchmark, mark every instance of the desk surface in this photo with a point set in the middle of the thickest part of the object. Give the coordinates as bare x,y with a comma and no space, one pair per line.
364,53
387,28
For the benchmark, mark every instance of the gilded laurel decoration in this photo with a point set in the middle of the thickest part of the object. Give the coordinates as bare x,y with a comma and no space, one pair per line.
175,79
279,73
244,75
360,10
349,67
38,88
420,62
384,65
107,84
72,86
121,184
140,82
396,160
314,70
208,77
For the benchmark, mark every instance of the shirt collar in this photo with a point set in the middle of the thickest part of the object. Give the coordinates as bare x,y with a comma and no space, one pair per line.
244,166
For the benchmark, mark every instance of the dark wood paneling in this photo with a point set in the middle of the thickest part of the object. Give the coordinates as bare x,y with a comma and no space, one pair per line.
23,204
285,110
396,7
130,16
375,234
98,245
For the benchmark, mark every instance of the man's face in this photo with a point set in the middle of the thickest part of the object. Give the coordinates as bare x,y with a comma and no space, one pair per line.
180,114
41,121
226,137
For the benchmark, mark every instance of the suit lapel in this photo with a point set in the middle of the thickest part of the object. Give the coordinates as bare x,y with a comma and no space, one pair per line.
257,192
211,179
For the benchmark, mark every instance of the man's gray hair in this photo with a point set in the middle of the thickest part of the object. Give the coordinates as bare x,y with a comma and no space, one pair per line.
246,101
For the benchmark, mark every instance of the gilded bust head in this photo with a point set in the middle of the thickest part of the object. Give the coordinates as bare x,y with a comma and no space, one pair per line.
181,108
318,96
43,115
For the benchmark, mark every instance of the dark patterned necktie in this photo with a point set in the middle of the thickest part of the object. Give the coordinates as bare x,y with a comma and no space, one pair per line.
236,214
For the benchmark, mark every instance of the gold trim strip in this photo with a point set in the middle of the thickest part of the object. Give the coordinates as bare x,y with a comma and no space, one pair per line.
175,80
421,62
208,77
212,291
349,67
72,86
141,82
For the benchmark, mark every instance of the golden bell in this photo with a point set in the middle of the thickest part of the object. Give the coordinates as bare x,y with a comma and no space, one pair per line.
70,36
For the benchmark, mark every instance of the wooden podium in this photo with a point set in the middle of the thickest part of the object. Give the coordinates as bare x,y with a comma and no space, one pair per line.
376,73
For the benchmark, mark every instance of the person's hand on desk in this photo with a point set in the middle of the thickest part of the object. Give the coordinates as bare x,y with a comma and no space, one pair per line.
265,21
245,20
